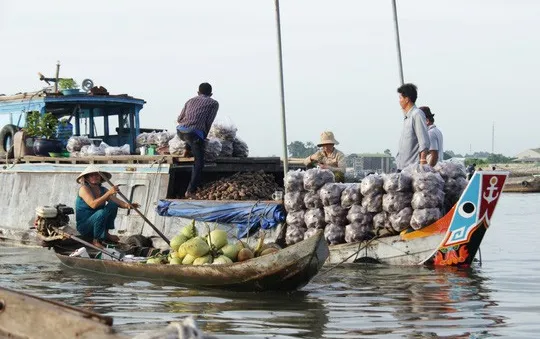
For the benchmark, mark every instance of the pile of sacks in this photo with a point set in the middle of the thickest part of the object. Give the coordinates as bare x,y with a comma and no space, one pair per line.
82,146
222,141
378,206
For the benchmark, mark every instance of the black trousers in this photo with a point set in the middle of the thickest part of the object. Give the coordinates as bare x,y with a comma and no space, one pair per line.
195,145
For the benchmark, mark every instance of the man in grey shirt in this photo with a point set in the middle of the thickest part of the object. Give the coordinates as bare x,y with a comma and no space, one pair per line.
414,140
436,150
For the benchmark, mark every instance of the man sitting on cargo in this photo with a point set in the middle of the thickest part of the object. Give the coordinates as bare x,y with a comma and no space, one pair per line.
194,123
328,157
96,207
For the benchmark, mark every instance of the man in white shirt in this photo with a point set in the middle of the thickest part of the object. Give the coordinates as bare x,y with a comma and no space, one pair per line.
436,150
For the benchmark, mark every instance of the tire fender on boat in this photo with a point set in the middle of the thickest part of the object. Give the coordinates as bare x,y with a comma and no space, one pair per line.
525,183
6,134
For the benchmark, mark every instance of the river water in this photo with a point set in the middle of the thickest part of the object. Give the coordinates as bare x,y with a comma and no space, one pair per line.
499,298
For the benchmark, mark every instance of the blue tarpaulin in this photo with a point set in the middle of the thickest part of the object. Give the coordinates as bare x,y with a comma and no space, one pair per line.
258,214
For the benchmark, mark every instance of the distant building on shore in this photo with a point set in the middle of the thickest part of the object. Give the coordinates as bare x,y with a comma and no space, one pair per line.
530,155
376,162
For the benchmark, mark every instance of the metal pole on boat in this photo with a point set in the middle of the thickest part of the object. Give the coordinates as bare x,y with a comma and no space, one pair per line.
398,45
57,75
282,92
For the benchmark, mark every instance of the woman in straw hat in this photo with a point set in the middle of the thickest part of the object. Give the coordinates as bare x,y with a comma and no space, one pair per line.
328,157
96,207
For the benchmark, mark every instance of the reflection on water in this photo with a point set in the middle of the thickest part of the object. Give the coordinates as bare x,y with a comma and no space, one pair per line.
350,302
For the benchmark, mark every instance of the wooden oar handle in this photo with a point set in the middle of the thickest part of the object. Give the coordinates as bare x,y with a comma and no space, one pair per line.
137,210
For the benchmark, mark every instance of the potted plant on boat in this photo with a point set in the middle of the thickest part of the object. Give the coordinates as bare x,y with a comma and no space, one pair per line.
68,86
43,129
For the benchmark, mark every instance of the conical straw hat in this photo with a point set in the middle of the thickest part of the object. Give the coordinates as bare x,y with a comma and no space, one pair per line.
93,169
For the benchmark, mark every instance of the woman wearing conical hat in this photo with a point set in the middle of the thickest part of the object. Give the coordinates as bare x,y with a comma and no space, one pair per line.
328,157
96,207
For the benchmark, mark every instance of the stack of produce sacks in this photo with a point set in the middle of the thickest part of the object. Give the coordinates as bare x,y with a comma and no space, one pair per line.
360,225
334,214
177,146
455,181
154,138
397,210
188,248
294,205
212,149
315,217
76,143
428,197
225,133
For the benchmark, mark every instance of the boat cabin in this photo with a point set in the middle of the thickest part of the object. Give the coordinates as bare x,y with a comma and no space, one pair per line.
113,119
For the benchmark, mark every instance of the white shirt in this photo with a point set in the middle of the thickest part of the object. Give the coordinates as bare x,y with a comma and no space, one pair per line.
435,142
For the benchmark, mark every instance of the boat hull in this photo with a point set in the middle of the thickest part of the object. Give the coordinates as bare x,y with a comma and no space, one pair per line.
288,269
530,184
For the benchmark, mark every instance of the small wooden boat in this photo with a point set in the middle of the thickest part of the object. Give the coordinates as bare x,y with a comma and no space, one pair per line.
528,184
26,316
452,240
287,269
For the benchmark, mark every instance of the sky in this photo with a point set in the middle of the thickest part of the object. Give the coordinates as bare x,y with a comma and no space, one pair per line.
476,64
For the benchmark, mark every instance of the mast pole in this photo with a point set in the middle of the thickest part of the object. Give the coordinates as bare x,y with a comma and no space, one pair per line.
282,93
398,45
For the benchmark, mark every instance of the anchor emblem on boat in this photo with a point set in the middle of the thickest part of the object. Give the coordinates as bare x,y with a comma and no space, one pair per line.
492,188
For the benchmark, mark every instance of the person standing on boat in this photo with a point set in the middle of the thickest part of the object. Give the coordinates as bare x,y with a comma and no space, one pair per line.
96,207
328,157
436,150
414,140
194,123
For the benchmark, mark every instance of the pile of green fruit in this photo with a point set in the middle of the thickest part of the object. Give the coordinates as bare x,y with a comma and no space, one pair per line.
188,248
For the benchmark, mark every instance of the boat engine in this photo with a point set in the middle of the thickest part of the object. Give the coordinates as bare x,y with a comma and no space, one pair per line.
49,217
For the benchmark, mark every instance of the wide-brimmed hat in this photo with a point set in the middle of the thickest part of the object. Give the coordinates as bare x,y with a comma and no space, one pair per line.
327,137
93,169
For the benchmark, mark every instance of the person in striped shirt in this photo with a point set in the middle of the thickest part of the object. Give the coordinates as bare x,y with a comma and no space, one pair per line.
194,123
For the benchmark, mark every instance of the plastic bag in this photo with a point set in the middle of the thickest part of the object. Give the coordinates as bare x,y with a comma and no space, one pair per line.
424,217
373,202
395,202
427,199
313,200
314,218
351,195
177,146
296,219
428,181
334,234
358,232
401,220
294,181
223,131
315,178
240,148
449,170
294,201
331,194
359,215
397,182
335,214
75,143
226,148
371,185
294,234
310,232
212,149
123,150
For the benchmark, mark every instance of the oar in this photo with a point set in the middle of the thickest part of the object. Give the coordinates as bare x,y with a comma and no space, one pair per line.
137,210
86,243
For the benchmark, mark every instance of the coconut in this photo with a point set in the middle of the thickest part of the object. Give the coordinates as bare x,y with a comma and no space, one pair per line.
207,259
223,259
190,230
188,259
175,261
197,247
230,251
218,238
245,254
178,240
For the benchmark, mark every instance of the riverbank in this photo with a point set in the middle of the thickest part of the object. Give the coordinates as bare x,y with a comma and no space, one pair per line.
517,170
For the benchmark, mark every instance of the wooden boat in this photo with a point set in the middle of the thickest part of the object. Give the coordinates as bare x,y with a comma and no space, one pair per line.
528,184
287,269
26,316
453,240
